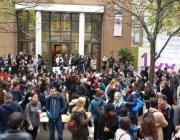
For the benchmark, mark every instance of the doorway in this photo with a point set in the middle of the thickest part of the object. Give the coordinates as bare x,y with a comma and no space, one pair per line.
57,49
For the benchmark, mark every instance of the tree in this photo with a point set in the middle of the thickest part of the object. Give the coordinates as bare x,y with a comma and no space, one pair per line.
154,17
8,13
125,55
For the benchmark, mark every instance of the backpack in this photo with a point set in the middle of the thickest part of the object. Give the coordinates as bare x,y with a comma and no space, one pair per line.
100,110
139,105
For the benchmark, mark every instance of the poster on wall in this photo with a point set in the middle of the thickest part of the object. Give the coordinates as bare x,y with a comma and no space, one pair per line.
118,21
169,57
118,25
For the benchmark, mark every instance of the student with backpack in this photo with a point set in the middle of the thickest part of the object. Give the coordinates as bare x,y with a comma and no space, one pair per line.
159,120
94,107
121,133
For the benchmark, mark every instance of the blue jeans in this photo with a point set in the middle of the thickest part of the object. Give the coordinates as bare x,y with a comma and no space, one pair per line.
58,124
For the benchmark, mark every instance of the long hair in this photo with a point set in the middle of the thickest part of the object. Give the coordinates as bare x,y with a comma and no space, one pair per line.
112,83
148,128
120,101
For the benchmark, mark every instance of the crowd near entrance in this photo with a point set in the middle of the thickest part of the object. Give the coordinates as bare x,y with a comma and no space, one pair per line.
113,104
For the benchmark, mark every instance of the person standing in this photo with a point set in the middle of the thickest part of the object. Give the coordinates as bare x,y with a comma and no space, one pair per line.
174,83
168,113
104,62
17,93
6,110
177,116
111,61
15,123
40,63
55,106
93,108
79,111
167,91
121,133
109,123
32,112
159,120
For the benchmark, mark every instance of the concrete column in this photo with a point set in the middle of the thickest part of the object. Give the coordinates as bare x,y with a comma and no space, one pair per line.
38,33
81,33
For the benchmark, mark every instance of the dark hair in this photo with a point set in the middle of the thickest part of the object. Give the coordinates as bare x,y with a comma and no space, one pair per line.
109,107
123,111
162,96
34,93
131,89
149,128
15,120
154,102
125,123
16,84
99,92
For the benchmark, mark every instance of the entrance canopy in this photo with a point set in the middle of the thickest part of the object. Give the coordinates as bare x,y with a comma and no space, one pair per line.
60,7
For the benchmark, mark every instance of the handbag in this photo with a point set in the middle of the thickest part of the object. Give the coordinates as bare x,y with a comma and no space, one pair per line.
139,105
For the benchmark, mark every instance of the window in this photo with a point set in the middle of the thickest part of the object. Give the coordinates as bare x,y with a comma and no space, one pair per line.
93,29
26,32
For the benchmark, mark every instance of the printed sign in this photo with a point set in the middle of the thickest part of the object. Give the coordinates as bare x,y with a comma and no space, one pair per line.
169,57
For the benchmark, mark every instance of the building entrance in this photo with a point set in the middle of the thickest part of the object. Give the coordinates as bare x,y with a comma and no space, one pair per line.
58,49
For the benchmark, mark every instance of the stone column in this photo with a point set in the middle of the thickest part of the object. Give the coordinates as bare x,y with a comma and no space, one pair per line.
81,33
38,33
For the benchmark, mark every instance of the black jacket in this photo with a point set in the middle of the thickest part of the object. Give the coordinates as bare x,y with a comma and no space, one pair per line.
5,111
169,93
168,113
111,124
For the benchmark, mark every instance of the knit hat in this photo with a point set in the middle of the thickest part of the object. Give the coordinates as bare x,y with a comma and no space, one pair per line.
109,107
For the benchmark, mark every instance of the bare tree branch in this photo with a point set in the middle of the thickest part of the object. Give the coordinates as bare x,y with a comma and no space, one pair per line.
137,16
167,41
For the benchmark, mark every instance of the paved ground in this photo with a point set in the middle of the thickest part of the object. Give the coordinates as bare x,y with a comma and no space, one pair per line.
44,135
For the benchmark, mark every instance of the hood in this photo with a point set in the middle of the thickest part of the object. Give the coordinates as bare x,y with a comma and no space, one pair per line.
9,107
151,110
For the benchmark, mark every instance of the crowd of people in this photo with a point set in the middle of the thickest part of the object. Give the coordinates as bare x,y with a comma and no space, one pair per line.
116,103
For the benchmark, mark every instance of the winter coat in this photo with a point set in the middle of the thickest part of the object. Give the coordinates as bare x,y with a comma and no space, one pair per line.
159,120
177,115
109,94
111,123
169,93
5,111
17,96
55,106
93,106
82,132
31,113
168,113
130,102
